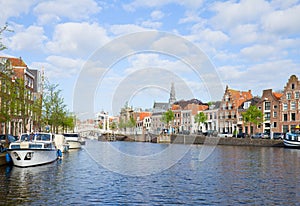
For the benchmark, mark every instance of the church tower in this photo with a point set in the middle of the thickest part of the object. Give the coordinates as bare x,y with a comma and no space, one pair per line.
172,98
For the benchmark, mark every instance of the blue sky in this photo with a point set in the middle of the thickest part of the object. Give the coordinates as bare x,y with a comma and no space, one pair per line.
252,44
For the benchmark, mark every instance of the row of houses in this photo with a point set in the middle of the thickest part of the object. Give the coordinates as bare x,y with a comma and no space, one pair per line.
20,92
281,112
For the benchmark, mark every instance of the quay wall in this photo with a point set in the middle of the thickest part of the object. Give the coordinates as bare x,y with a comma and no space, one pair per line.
191,139
199,139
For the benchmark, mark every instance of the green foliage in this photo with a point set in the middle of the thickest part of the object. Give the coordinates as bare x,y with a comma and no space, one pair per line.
113,126
200,118
253,115
54,110
168,116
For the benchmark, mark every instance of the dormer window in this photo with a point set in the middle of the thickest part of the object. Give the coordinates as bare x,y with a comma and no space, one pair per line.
226,98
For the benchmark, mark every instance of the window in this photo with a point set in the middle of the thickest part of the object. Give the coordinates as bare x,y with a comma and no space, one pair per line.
267,116
274,114
226,98
293,116
293,105
267,105
285,128
285,107
288,95
297,95
285,117
293,86
275,106
275,124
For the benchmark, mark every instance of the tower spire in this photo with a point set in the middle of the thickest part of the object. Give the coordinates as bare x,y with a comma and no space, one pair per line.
172,98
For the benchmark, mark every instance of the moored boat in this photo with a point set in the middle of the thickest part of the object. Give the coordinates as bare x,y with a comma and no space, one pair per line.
61,143
292,139
73,140
33,149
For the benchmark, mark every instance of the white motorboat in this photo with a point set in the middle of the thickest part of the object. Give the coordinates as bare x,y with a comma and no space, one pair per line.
73,140
61,143
292,140
33,149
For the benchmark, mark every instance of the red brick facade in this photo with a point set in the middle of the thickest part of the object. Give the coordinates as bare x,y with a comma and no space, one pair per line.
290,105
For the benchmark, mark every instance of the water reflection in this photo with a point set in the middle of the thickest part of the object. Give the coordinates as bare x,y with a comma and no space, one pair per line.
229,176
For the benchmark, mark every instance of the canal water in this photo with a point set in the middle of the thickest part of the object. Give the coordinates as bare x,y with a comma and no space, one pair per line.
128,173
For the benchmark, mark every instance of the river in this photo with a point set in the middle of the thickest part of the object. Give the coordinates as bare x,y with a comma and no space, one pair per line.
134,173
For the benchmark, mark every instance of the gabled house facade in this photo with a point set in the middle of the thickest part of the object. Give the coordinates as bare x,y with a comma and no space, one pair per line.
212,122
229,110
269,105
290,105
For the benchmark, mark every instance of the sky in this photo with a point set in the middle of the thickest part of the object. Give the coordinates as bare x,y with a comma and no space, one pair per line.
106,54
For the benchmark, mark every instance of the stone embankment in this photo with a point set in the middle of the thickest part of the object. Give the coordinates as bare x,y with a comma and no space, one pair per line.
198,139
190,139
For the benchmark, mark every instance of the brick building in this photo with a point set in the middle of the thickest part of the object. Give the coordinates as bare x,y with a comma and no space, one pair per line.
229,110
290,105
269,105
17,96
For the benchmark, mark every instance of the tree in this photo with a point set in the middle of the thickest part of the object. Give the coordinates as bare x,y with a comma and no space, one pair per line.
200,118
131,123
168,117
54,109
2,29
253,115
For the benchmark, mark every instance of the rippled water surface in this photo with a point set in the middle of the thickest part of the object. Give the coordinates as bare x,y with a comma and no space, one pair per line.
229,176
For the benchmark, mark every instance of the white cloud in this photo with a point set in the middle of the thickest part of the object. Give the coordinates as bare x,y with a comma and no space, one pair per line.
260,52
279,4
31,39
245,34
122,29
151,24
283,22
14,8
77,38
229,14
59,67
257,77
191,16
190,4
48,11
157,15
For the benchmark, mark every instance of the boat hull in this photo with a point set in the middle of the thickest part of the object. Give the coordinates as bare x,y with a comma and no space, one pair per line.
32,157
74,144
291,144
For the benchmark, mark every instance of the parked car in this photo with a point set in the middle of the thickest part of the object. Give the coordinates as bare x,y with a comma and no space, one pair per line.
260,135
185,132
225,134
257,135
278,135
210,133
242,135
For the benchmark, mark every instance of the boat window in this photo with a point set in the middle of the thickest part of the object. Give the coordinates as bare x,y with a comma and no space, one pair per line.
2,137
42,137
35,146
71,135
24,137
